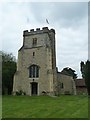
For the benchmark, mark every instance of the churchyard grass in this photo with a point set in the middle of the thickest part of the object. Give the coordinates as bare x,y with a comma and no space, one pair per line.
45,107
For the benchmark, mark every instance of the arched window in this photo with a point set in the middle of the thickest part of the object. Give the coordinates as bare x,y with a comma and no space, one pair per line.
34,71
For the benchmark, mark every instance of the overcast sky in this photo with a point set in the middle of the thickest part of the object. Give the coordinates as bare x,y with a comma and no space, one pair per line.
69,19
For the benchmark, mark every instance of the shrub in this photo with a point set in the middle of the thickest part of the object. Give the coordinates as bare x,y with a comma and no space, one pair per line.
20,92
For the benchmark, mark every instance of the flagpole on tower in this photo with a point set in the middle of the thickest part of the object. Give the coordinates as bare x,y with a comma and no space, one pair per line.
47,21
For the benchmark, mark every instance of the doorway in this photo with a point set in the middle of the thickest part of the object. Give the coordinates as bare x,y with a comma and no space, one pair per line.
34,88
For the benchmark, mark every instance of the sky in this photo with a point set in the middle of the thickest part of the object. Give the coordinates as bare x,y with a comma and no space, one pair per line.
69,19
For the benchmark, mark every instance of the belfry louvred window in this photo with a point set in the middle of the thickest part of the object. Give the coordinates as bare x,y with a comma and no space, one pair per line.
34,71
34,42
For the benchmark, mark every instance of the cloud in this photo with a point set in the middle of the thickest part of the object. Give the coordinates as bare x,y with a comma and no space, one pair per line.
66,14
70,21
13,23
72,46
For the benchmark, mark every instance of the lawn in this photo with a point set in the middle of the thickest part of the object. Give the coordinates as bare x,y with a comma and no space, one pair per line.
44,107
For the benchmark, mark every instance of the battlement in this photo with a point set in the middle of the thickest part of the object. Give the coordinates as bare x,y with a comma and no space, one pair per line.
38,31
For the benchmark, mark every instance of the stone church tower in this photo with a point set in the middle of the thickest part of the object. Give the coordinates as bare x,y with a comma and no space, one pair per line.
36,67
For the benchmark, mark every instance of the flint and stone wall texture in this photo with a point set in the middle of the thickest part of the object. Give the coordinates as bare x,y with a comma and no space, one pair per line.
45,58
68,82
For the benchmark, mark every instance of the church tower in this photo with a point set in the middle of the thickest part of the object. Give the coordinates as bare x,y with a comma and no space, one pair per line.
36,67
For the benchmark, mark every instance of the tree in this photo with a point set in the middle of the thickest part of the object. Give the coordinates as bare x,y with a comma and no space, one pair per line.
8,71
70,72
85,70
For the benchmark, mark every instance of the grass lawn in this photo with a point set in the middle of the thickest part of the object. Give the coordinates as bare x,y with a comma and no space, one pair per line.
44,107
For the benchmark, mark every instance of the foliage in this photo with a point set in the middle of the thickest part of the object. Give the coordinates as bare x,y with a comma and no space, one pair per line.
20,93
45,107
8,70
85,70
70,72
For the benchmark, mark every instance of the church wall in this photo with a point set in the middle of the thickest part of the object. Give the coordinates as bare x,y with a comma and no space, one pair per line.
42,58
23,77
68,84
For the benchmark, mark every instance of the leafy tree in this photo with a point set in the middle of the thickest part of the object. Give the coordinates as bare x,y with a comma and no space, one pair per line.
85,70
8,70
70,72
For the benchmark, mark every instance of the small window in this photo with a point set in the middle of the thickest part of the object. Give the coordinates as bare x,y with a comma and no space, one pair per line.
61,85
33,54
34,42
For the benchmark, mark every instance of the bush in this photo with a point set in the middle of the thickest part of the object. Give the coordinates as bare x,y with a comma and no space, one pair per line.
67,93
20,92
44,93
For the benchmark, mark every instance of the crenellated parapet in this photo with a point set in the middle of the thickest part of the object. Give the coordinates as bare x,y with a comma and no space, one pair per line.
38,31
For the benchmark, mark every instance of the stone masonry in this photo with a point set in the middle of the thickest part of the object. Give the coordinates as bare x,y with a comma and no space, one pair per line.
36,68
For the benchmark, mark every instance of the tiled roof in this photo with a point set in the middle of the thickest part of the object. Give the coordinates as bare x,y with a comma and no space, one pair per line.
80,82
